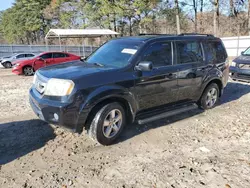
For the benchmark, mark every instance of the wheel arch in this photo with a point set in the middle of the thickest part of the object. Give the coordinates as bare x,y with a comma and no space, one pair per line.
130,114
4,62
27,66
216,81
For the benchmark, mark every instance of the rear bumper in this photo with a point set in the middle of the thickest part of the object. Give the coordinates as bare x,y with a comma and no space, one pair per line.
57,113
240,74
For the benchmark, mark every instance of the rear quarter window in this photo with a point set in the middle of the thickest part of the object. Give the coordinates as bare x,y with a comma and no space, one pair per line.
215,52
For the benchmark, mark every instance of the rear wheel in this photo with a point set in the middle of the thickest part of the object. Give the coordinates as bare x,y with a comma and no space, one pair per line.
107,123
210,96
7,65
28,71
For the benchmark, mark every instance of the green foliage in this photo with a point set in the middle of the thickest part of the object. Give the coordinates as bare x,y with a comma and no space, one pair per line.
24,22
27,21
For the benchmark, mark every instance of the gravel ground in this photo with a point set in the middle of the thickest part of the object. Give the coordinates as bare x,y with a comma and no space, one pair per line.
196,149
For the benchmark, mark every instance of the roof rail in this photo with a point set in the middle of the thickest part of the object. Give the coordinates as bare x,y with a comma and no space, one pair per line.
190,34
141,34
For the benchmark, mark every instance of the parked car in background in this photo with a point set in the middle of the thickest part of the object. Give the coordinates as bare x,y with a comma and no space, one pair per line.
4,57
240,67
29,66
140,79
7,62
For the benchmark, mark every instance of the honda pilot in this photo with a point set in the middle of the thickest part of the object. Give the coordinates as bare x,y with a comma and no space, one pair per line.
131,79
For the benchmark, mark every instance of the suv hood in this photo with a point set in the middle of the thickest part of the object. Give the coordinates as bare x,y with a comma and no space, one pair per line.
72,70
243,59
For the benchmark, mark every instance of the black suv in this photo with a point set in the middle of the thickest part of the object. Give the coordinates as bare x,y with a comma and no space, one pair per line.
129,79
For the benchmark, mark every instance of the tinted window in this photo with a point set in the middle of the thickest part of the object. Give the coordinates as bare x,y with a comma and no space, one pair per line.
20,56
160,54
215,52
58,55
188,52
29,55
46,56
116,53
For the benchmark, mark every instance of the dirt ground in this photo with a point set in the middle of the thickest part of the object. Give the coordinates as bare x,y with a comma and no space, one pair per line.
195,149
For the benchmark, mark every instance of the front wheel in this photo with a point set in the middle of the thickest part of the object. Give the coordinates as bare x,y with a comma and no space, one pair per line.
107,123
210,96
28,71
7,65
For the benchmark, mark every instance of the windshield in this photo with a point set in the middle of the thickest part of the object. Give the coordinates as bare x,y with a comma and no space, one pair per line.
115,53
246,52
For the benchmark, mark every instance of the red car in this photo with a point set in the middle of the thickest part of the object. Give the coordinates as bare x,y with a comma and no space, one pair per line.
29,66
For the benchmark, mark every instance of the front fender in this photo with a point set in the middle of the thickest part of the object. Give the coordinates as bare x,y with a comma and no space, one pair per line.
106,92
101,94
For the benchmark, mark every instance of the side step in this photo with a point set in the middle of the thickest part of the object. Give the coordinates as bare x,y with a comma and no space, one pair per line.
168,113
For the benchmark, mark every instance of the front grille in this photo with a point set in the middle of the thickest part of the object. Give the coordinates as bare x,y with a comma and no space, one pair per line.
244,66
40,83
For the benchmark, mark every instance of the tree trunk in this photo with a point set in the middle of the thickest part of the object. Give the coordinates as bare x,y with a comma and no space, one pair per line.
195,15
130,26
231,15
231,7
216,17
249,17
177,13
201,16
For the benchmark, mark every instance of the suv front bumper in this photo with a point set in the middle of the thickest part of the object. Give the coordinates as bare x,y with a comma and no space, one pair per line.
57,113
240,74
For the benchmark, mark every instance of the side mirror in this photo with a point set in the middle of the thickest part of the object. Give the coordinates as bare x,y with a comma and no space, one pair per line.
242,53
144,66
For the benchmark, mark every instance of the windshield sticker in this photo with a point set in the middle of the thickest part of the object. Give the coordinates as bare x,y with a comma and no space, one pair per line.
129,51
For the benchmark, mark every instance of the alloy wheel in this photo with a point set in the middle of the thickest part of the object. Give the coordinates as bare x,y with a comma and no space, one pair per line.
211,97
112,123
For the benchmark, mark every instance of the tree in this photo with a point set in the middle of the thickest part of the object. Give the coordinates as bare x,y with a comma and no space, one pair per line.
216,17
201,12
177,14
24,22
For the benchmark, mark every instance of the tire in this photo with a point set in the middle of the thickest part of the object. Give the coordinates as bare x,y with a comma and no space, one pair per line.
7,65
103,128
3,64
210,96
28,71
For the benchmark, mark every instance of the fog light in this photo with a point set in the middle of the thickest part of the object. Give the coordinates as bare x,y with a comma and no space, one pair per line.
56,117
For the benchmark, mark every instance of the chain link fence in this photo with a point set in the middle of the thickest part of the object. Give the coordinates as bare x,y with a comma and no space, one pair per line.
234,46
7,50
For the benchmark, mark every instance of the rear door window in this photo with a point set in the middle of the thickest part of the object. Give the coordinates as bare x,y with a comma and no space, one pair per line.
58,55
189,52
215,52
46,56
29,55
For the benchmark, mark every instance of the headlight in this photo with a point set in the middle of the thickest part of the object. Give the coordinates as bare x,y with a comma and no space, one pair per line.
16,65
59,87
233,64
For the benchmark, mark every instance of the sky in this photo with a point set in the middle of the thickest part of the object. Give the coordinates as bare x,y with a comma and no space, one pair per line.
4,4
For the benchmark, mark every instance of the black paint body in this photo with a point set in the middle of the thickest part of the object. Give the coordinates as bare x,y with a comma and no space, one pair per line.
138,91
